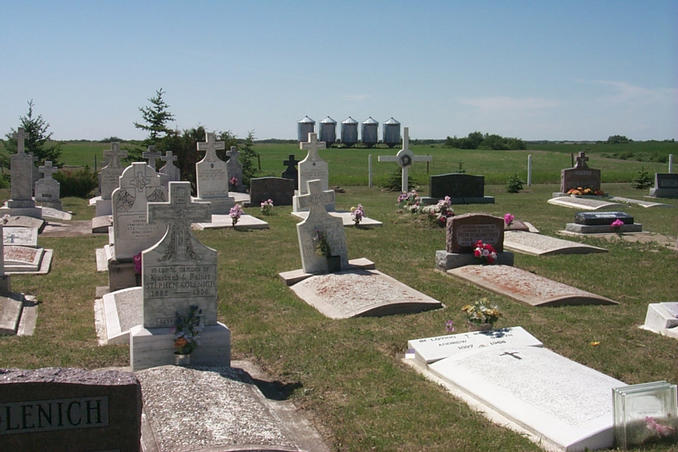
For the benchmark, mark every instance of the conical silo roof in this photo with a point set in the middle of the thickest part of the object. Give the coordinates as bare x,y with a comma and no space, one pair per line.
392,121
306,120
328,120
349,120
370,120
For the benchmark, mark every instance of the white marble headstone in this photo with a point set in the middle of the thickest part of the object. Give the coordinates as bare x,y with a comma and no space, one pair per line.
211,171
312,167
170,170
110,173
139,184
47,189
21,173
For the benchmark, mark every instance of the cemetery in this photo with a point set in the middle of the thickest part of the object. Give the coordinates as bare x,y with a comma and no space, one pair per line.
221,321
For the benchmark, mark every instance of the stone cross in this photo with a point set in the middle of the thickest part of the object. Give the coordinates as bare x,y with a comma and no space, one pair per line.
20,137
178,213
312,146
211,146
168,157
316,198
114,154
47,170
291,162
513,354
151,156
581,160
404,158
233,153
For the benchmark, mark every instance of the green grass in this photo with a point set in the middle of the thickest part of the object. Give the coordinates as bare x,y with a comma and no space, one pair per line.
349,377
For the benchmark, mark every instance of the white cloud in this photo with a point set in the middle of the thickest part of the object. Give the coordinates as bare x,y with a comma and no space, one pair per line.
623,92
509,103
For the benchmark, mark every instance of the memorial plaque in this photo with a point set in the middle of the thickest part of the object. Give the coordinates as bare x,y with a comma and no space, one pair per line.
602,218
20,236
457,185
544,245
69,409
463,231
279,190
665,185
582,203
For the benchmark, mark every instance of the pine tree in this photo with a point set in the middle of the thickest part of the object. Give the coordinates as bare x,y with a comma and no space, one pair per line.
36,138
155,117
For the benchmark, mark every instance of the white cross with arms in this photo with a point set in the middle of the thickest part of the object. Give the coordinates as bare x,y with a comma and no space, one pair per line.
316,197
114,154
404,158
211,146
312,146
47,170
151,156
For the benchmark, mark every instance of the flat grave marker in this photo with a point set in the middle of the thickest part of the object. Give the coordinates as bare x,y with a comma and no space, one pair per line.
544,245
662,318
16,235
597,222
582,203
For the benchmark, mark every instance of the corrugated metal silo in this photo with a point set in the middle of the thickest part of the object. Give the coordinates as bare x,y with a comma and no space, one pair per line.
305,126
328,130
391,132
349,131
369,133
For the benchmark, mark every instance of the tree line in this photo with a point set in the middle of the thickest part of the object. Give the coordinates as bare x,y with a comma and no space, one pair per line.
478,140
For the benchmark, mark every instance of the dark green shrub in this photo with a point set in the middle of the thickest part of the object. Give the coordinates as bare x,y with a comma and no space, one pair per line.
394,182
514,184
642,179
79,183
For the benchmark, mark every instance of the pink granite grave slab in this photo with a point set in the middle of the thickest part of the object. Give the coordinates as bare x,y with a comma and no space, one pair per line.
525,286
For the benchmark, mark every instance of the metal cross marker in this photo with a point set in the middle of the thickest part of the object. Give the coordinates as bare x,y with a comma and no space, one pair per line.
581,160
47,170
513,354
151,156
291,162
312,146
316,197
114,154
178,213
211,146
404,158
20,137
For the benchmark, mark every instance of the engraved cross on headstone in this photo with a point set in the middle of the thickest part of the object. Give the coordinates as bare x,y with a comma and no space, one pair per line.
312,146
20,137
114,154
141,179
581,160
404,158
211,146
168,157
316,198
178,213
47,170
513,354
151,156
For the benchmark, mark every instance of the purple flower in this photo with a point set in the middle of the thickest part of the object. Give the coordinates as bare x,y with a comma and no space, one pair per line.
449,326
137,263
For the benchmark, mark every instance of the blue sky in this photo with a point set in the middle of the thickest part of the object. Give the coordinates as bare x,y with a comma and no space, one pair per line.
530,69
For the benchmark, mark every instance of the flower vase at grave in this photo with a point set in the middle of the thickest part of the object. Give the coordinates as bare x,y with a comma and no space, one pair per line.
182,359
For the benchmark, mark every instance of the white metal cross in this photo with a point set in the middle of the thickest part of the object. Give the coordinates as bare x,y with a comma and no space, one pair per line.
404,158
211,146
312,146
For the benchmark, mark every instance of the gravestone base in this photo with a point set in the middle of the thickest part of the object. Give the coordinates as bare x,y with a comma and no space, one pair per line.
100,224
296,208
662,318
151,347
103,207
11,306
34,212
446,261
664,192
598,228
428,201
121,275
54,204
115,313
218,206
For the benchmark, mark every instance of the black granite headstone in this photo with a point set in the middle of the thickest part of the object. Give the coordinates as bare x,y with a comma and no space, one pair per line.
279,190
291,171
602,218
457,186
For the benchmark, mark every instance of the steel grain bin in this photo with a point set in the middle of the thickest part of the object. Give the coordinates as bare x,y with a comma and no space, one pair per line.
305,126
391,132
369,133
349,132
328,130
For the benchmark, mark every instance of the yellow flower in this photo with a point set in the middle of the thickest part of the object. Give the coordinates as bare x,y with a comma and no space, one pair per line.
595,343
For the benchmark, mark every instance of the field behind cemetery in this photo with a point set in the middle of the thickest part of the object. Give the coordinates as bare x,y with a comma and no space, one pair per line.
347,375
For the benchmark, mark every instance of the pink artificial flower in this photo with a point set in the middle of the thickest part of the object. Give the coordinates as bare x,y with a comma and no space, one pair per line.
617,223
137,263
508,219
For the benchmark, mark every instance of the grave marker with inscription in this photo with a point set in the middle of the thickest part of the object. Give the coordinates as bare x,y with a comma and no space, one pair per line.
579,176
212,177
109,178
597,222
177,273
291,170
280,190
235,169
171,172
665,185
47,190
312,168
21,184
461,188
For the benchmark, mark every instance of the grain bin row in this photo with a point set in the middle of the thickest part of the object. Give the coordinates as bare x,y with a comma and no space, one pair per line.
349,131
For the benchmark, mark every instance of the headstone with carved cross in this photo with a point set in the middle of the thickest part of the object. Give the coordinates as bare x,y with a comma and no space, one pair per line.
178,272
579,176
405,158
171,172
151,156
21,185
47,190
212,177
110,173
234,170
291,170
322,240
311,168
139,184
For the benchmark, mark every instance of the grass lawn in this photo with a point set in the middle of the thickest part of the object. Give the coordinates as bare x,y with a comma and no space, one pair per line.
347,374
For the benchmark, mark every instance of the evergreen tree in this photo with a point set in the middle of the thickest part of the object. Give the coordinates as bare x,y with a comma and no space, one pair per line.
247,157
36,138
155,118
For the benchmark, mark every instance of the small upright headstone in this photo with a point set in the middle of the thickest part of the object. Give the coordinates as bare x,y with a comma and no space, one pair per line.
177,273
322,240
235,170
461,188
579,176
212,177
69,409
601,222
291,170
21,185
169,172
47,190
109,178
312,168
665,185
462,234
151,156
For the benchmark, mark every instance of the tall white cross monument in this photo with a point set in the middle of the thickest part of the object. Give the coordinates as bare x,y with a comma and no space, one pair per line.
404,158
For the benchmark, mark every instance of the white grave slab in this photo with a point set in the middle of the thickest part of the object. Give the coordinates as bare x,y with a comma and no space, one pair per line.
544,245
345,218
566,404
582,203
662,318
431,349
20,236
56,214
225,221
638,202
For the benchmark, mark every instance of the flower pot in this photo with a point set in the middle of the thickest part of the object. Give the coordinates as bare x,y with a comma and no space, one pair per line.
182,359
480,326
